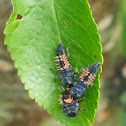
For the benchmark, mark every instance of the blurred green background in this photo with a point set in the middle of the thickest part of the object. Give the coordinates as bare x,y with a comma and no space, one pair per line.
17,109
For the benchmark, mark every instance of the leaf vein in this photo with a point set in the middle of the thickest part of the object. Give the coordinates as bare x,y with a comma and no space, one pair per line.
77,22
57,20
77,44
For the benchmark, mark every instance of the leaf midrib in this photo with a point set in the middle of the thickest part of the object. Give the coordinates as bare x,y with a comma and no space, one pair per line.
57,20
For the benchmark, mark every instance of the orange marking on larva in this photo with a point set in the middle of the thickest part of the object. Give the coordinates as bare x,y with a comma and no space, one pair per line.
64,59
61,101
60,69
56,57
84,74
66,63
90,80
60,56
69,100
57,60
61,59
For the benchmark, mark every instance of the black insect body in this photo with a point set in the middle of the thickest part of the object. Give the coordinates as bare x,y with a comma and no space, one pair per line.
78,90
67,76
89,74
79,87
72,90
69,105
64,67
71,109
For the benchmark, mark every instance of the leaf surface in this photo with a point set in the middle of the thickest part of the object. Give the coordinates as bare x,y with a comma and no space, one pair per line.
32,42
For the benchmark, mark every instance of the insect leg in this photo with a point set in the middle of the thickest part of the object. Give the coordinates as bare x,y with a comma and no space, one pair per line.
82,109
81,99
61,87
53,69
67,53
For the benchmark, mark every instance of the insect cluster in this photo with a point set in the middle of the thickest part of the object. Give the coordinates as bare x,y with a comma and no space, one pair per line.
73,88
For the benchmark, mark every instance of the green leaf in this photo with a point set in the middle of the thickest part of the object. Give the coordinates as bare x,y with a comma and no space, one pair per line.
32,42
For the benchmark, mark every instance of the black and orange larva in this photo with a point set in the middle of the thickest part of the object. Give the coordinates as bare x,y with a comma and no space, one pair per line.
73,90
89,74
69,105
64,68
61,59
83,82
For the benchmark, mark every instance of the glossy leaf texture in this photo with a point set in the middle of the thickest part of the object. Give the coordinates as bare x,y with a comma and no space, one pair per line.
32,42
